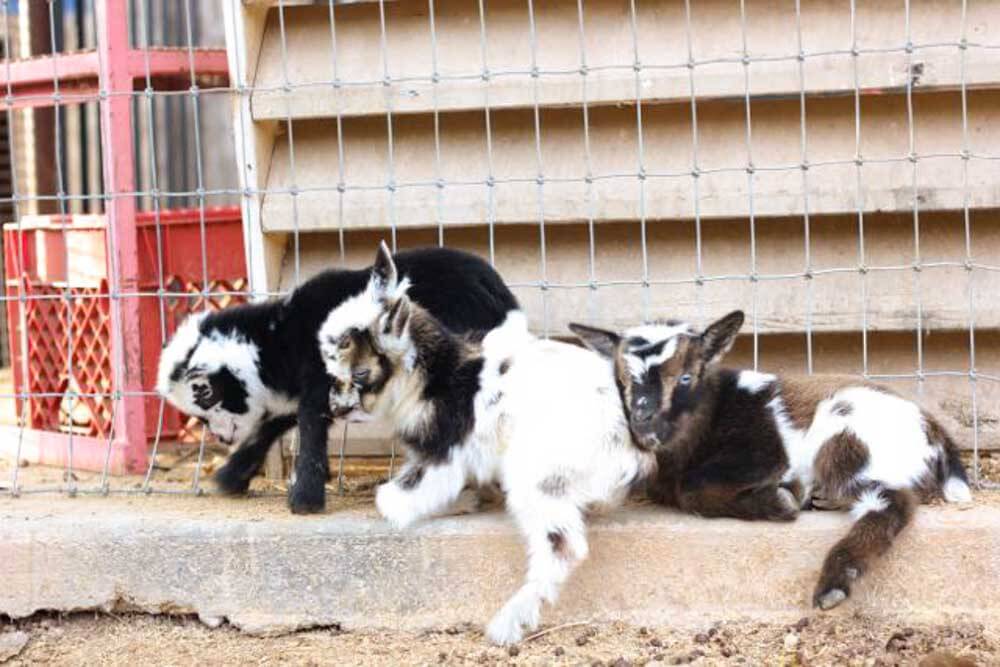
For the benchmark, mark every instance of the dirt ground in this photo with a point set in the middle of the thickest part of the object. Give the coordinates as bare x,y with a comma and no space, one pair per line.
87,639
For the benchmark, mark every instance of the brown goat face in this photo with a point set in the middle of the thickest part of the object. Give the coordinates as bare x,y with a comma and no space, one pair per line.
361,372
659,369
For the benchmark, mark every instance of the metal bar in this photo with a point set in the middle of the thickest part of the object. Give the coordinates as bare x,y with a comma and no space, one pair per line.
123,256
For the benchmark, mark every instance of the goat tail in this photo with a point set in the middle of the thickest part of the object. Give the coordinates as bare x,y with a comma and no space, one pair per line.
951,473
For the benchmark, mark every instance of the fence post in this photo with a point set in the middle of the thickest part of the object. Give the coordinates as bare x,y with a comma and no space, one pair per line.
120,207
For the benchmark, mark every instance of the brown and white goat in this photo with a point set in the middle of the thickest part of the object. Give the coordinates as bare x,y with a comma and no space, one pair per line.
751,445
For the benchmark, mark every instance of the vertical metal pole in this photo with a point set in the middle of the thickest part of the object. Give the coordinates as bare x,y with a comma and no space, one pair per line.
123,256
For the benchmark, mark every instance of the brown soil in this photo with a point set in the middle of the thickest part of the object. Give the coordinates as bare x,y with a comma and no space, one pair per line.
815,640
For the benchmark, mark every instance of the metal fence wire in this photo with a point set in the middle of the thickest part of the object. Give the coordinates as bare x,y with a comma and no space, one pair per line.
831,168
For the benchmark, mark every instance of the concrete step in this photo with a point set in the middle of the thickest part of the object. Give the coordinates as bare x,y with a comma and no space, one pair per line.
249,562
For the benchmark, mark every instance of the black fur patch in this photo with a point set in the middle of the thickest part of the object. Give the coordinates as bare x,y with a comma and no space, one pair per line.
230,390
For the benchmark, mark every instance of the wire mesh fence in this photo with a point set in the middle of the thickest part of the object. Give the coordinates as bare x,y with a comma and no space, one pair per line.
828,167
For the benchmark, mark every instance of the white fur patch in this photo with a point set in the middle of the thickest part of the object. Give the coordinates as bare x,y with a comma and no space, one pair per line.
798,448
212,352
753,382
654,333
177,349
956,491
869,501
358,312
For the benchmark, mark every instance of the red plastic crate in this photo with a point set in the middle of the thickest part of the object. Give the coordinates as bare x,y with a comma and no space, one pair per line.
79,330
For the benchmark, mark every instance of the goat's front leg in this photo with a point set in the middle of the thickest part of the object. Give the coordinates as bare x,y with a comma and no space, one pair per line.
421,489
312,467
233,478
557,543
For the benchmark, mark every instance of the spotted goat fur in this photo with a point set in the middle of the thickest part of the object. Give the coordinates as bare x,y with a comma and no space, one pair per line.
252,372
751,445
540,418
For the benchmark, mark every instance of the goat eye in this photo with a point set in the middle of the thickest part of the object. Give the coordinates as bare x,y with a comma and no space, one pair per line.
345,342
685,379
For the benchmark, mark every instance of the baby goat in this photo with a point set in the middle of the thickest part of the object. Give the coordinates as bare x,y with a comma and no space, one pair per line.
751,445
539,417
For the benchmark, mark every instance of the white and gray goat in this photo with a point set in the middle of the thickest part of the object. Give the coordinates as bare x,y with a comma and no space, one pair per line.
541,418
751,445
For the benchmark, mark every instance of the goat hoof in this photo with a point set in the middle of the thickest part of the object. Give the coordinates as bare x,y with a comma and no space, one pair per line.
302,500
231,482
829,598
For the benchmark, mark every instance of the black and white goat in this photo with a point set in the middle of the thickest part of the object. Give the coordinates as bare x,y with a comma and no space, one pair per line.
251,372
541,418
750,445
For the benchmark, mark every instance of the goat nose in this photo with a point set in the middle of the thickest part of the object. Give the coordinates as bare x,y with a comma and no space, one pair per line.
361,376
642,414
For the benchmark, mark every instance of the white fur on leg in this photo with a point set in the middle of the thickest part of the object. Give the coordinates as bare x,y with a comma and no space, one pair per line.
437,488
522,612
957,491
557,542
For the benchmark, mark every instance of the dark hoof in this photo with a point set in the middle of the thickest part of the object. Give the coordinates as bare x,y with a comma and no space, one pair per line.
787,507
302,500
231,481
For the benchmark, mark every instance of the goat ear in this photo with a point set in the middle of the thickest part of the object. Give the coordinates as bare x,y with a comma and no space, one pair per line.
599,340
384,275
719,337
396,316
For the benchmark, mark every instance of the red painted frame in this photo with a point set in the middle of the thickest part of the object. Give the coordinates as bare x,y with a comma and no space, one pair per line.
110,74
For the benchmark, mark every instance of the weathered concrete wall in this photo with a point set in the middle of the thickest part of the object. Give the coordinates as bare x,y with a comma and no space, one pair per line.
250,563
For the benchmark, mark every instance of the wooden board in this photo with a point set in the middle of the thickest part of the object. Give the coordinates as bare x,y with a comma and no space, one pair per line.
300,62
514,159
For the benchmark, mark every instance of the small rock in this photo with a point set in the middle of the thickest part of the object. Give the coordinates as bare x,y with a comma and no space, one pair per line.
801,624
483,658
12,643
726,653
791,641
211,621
695,654
621,662
643,631
559,650
24,463
513,651
896,641
582,640
701,638
655,642
657,657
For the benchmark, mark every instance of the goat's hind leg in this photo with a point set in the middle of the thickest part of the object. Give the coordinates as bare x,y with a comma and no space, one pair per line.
882,514
557,542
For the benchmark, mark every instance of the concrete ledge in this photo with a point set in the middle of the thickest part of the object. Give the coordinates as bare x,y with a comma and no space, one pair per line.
252,564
